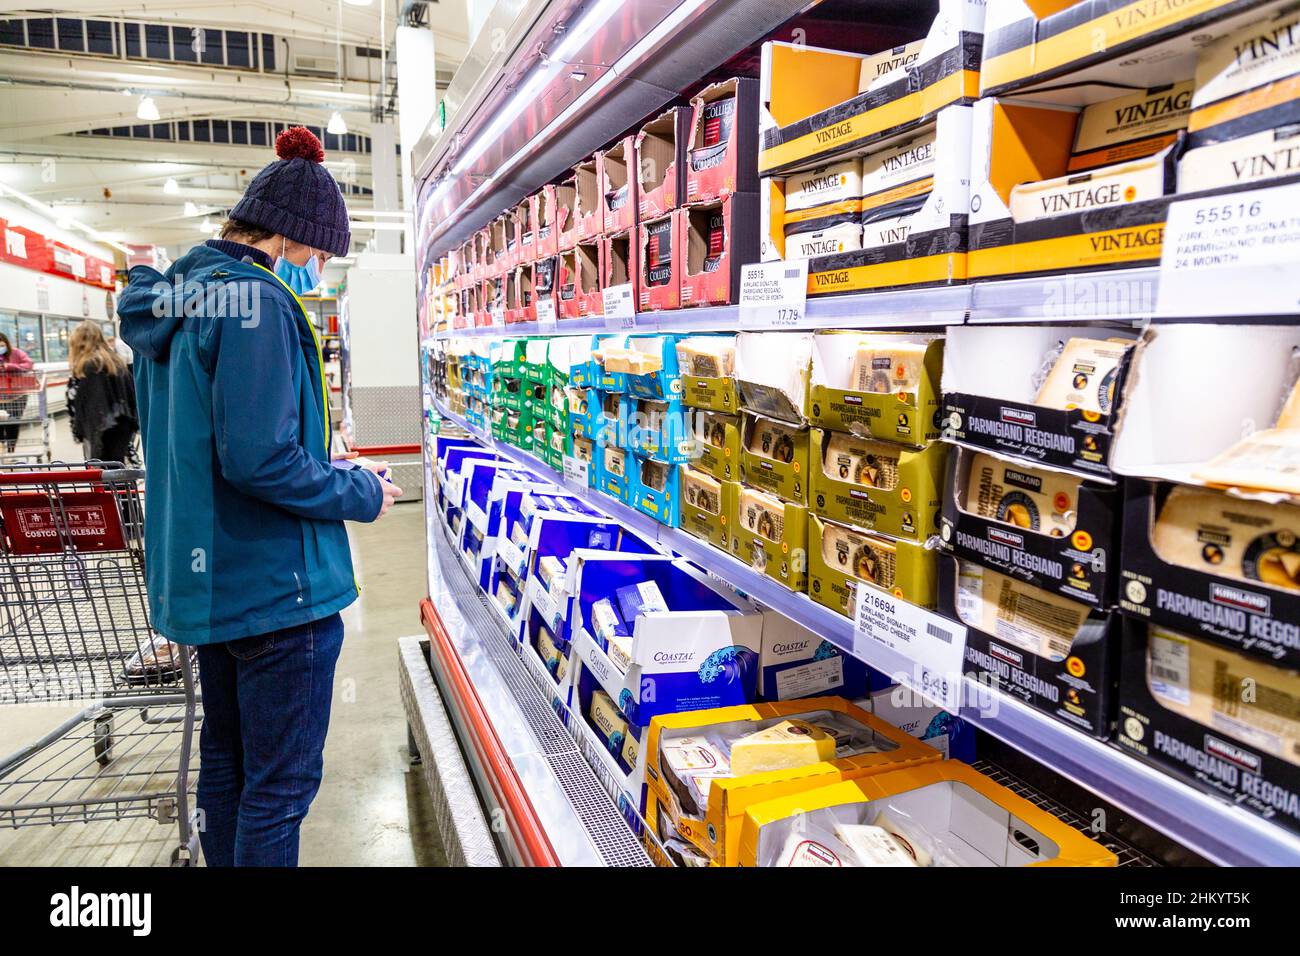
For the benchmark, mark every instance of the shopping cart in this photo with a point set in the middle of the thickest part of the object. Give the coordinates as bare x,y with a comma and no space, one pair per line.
25,428
74,626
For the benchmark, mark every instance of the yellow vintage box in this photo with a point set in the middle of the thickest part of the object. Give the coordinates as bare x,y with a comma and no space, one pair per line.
717,441
841,558
874,485
772,536
944,814
884,385
708,506
690,791
774,457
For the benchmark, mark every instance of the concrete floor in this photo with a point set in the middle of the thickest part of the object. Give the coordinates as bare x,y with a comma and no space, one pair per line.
371,809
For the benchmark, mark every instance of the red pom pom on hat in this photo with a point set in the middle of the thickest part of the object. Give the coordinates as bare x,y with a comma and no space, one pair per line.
299,142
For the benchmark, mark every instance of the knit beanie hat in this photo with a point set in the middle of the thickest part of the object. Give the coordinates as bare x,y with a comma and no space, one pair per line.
296,196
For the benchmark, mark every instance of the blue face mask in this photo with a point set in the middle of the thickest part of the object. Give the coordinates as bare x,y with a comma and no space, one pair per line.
301,279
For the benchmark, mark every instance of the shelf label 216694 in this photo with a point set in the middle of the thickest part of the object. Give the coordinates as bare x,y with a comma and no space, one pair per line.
933,645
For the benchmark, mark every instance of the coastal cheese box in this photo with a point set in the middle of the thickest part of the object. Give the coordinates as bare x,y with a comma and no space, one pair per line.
877,486
1055,654
996,399
704,769
717,444
707,364
774,456
842,559
1051,529
1221,720
1216,567
797,663
708,506
877,384
771,535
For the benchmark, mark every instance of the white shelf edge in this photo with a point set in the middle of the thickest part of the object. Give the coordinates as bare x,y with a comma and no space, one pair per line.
1216,829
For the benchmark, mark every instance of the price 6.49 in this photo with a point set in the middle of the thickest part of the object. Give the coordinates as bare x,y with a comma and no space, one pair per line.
1210,215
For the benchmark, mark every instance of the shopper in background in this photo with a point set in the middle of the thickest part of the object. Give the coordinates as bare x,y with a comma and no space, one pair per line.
248,556
101,396
15,388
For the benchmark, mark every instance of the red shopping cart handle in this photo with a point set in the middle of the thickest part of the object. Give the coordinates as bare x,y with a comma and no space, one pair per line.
50,477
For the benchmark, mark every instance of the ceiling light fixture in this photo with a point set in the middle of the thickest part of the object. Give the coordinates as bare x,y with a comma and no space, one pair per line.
191,209
148,110
171,187
357,3
336,126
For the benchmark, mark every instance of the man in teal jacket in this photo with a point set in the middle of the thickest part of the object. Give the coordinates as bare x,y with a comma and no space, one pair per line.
246,552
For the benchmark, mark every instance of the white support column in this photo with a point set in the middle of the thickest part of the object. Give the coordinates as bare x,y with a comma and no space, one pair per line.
417,96
383,167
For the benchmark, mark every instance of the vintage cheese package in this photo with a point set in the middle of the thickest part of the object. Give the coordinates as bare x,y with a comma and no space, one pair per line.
1031,499
844,237
1032,619
895,184
1132,126
1230,537
1250,159
1083,375
1115,185
878,66
823,197
1247,81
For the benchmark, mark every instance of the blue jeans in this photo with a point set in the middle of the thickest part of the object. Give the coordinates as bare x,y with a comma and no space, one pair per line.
266,710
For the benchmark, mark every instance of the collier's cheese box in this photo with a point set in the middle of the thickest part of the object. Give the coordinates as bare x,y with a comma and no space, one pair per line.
580,292
661,161
618,186
546,222
722,154
659,257
715,240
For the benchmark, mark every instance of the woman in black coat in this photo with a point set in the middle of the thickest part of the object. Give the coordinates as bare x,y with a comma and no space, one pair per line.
101,396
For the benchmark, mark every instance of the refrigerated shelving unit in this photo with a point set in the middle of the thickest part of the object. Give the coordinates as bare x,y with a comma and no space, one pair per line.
604,64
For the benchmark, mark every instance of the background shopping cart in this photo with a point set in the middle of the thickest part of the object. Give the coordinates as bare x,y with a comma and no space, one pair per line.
25,428
74,626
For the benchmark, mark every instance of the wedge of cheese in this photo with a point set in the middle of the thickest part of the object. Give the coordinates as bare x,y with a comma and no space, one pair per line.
1027,498
1131,126
1263,461
1083,375
1115,185
1032,619
772,439
861,461
1244,698
782,746
702,491
868,558
608,721
1250,159
1289,419
620,651
763,514
582,448
707,356
1230,537
689,765
654,474
884,367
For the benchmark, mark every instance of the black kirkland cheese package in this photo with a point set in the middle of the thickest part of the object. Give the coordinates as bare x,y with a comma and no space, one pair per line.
1052,530
1182,709
1247,608
1078,687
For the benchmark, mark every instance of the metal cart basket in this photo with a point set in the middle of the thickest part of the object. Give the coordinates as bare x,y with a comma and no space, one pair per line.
25,427
74,626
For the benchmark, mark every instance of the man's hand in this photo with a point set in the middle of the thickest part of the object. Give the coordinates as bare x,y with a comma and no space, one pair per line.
391,494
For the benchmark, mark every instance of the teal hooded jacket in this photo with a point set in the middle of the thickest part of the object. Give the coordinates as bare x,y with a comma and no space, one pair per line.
244,512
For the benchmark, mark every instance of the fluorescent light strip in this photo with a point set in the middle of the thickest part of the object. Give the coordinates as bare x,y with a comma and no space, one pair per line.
49,213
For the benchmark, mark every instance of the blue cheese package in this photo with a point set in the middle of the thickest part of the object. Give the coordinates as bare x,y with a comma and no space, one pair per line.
643,597
606,624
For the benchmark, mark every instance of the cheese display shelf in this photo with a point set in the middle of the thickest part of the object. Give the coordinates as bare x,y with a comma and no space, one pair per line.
1211,827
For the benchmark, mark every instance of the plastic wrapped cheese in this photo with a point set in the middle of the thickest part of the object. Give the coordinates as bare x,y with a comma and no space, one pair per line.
654,474
1249,700
1262,461
1083,375
1230,537
1031,618
836,187
608,721
620,651
1248,76
582,448
711,428
1031,499
762,514
707,356
772,439
690,763
830,241
861,461
1115,185
884,367
702,491
873,845
869,558
783,745
551,570
614,461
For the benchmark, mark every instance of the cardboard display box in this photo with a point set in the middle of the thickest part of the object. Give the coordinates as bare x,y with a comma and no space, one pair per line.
1078,687
566,198
840,559
774,456
796,663
772,371
661,162
659,264
990,397
588,207
715,239
1190,587
614,473
708,372
811,112
518,294
659,429
618,186
1184,707
655,489
717,444
722,156
772,536
870,746
580,292
546,224
706,515
525,219
618,263
1052,530
901,496
545,285
885,385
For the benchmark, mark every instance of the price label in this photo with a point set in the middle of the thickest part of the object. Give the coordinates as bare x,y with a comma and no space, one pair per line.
1232,254
545,314
934,645
575,472
498,318
773,294
619,307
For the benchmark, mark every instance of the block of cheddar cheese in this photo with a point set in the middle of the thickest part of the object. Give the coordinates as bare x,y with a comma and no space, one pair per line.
1031,499
1116,185
1256,158
1034,620
823,197
881,66
1247,80
789,743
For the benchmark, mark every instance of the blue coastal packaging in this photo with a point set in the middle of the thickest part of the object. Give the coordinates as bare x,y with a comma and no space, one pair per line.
794,662
702,652
666,383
